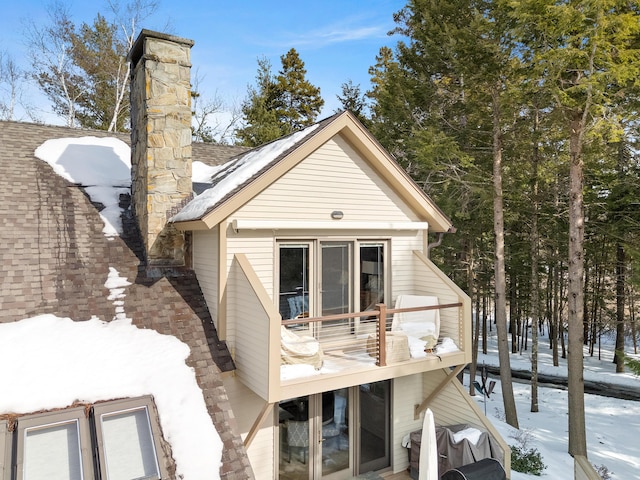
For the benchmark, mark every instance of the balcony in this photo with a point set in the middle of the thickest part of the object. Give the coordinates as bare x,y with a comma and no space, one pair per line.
371,344
356,347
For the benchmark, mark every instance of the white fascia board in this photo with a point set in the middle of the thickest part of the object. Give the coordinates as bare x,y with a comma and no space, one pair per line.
242,224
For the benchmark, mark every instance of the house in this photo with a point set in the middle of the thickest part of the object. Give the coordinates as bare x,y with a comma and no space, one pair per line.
93,340
301,247
318,329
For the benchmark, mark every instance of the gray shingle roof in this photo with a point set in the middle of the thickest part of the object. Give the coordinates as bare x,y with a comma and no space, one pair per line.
55,259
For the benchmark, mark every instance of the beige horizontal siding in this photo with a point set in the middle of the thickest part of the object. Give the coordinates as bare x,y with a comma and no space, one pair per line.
205,264
403,263
251,352
247,407
258,246
407,392
453,406
334,177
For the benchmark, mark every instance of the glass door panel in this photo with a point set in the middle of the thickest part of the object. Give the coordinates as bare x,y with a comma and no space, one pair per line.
375,428
315,437
296,448
371,275
336,279
335,434
293,285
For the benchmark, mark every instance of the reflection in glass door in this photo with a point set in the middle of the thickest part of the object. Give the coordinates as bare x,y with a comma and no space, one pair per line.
294,281
336,282
296,454
315,437
335,457
371,275
375,425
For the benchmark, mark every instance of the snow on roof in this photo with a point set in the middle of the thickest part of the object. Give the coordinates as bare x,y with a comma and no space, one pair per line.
63,361
202,173
101,165
52,362
235,173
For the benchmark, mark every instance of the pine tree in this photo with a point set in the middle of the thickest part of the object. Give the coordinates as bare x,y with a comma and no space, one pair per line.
279,105
353,100
101,56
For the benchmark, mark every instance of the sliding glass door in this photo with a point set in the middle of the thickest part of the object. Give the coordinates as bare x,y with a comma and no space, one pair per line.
344,276
336,280
315,436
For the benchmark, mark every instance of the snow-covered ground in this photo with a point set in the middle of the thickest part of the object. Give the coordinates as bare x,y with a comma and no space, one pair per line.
613,425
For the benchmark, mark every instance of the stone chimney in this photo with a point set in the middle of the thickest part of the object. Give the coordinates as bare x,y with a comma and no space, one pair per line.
160,141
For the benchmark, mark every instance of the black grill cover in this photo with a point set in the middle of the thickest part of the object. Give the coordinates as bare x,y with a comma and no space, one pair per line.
485,469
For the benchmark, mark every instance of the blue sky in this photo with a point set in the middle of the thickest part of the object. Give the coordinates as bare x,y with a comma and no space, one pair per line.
337,39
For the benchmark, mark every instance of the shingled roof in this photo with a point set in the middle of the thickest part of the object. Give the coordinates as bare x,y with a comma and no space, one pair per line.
55,259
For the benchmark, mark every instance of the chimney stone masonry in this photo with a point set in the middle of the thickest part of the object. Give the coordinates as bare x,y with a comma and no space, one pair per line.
160,141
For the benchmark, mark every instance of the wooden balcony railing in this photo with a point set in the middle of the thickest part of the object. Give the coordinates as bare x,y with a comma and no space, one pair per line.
348,332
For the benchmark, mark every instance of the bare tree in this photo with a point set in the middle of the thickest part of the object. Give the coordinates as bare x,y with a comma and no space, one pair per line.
128,20
12,81
50,50
213,121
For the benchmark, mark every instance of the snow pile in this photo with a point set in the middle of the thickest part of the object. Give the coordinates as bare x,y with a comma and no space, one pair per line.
202,173
115,283
471,434
101,165
62,361
235,173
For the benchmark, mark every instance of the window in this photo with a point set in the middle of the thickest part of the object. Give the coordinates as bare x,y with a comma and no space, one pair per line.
325,277
53,445
116,440
125,435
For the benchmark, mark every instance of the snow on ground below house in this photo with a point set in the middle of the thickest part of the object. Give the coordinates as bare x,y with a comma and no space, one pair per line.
52,362
612,425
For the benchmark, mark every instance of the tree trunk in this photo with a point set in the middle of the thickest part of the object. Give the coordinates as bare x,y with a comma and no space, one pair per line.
535,316
575,291
510,411
476,323
620,296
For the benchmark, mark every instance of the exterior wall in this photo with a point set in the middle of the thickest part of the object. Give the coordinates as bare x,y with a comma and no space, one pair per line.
205,264
247,407
334,177
249,351
403,265
453,406
583,470
426,280
407,392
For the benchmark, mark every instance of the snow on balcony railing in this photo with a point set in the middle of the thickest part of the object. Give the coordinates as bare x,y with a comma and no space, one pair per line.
369,336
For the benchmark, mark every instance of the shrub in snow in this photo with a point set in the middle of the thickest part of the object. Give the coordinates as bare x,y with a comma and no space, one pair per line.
526,461
603,471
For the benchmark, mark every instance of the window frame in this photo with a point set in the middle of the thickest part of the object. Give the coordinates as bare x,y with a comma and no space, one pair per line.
50,419
122,406
5,451
87,418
